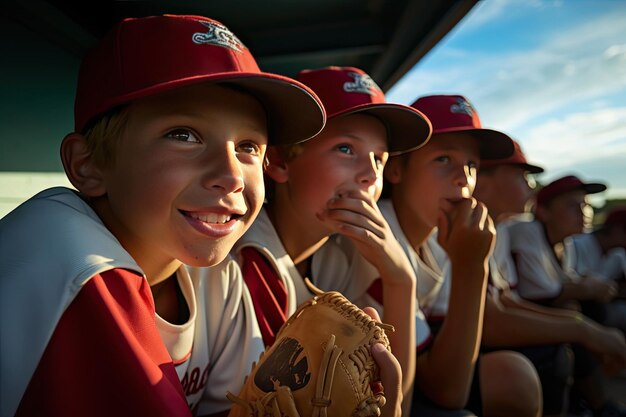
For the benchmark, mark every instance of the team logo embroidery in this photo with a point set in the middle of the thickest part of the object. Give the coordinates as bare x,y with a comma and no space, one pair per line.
218,35
361,84
287,366
463,107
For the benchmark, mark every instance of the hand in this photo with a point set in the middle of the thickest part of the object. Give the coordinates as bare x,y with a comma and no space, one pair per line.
609,344
390,374
357,216
599,290
467,233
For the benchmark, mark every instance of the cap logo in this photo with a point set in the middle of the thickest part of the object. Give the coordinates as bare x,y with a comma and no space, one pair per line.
362,83
218,35
463,107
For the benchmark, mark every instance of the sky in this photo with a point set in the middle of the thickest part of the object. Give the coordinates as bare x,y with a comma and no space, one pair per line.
550,73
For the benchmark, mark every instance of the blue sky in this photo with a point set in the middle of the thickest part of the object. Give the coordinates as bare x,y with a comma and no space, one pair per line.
552,74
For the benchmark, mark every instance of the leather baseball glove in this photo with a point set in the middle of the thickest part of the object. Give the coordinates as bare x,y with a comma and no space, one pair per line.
319,365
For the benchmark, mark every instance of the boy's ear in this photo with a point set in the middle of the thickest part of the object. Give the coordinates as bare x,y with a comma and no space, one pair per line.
393,170
80,167
276,167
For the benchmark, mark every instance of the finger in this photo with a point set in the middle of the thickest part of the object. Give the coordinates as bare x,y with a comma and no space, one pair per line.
462,211
390,375
479,214
345,217
372,312
443,226
360,207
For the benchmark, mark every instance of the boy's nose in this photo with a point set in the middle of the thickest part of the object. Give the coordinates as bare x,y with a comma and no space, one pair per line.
225,173
370,171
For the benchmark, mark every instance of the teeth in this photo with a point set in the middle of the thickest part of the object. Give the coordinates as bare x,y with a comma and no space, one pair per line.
211,218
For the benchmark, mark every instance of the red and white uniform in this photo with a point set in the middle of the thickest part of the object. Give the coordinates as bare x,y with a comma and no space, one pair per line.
78,327
540,275
502,270
583,257
361,281
79,332
276,286
214,351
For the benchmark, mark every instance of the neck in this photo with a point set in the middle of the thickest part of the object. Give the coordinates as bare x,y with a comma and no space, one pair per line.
415,230
299,239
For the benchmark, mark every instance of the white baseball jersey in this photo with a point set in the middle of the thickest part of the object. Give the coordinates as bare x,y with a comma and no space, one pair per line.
502,270
72,246
356,274
540,275
583,256
214,350
263,237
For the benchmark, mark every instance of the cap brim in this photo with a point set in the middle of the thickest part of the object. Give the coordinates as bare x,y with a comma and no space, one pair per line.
491,143
533,169
294,111
407,128
593,187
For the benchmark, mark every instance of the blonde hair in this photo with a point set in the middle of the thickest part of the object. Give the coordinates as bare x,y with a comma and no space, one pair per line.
104,134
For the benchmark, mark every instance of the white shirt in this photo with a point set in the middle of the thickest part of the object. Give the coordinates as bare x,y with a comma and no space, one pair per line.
583,256
540,275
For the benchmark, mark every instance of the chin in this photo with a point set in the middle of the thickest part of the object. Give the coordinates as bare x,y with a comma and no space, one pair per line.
209,257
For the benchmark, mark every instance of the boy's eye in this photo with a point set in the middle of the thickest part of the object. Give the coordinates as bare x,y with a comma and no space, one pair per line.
347,149
250,148
183,135
445,159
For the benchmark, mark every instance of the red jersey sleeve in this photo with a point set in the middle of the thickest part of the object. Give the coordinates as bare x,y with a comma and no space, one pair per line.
106,357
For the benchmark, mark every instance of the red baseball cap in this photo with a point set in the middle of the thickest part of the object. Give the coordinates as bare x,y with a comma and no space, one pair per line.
453,113
617,215
142,57
349,90
564,185
518,158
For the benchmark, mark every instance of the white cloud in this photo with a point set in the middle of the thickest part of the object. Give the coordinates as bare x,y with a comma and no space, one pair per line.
591,144
557,98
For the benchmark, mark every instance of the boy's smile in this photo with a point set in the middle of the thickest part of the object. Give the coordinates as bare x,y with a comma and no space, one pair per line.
188,178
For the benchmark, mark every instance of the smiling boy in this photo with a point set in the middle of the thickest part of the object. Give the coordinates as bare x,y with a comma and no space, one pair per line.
172,119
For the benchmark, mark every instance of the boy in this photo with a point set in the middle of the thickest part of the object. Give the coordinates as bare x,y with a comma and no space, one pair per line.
330,184
602,252
431,187
561,210
172,118
540,333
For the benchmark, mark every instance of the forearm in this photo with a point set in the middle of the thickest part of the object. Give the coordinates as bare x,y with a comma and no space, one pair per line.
525,305
514,327
445,371
572,291
399,311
